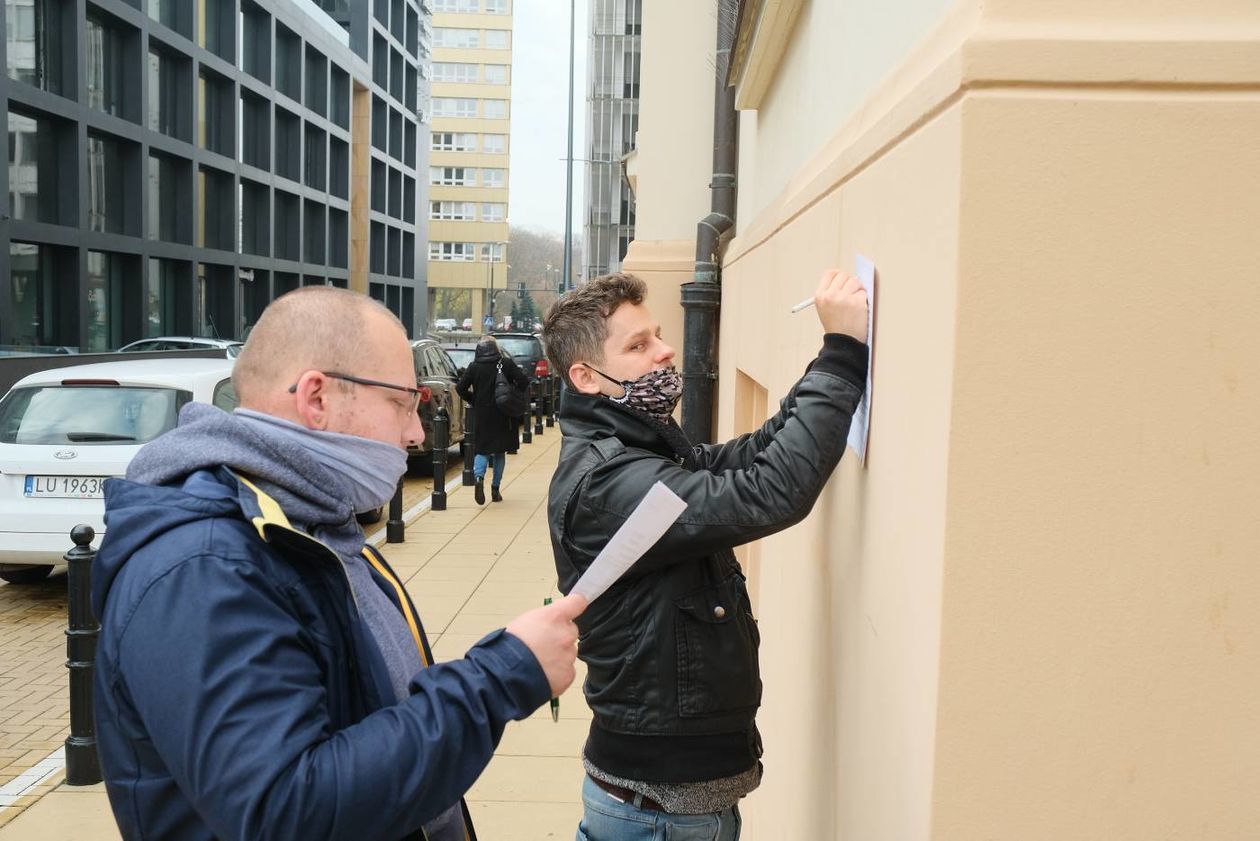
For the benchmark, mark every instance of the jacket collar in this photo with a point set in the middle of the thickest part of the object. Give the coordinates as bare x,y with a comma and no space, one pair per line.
595,417
273,526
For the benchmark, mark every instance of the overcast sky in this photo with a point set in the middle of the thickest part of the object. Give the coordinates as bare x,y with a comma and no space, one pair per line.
540,80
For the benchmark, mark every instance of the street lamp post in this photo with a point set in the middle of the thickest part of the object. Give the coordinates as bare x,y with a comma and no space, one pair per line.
568,161
490,273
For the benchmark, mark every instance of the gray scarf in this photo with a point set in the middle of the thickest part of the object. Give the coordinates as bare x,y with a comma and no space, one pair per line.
313,497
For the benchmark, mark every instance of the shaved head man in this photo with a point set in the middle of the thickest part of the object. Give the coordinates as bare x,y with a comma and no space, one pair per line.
261,672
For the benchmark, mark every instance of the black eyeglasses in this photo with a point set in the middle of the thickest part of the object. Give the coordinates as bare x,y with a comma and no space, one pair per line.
413,393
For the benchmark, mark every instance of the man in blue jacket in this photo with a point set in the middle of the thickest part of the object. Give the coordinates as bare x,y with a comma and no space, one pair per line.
261,674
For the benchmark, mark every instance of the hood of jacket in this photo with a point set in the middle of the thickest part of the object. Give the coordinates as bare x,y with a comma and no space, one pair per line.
487,353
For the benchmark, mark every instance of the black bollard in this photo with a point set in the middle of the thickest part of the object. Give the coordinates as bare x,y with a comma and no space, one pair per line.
527,437
540,389
83,765
470,447
441,442
395,528
549,408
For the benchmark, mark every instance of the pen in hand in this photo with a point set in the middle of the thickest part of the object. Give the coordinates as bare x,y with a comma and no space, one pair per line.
555,702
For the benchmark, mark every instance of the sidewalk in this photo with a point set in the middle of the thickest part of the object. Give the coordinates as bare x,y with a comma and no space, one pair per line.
469,569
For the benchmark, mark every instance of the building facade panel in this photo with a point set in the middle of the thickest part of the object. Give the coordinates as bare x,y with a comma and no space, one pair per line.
175,169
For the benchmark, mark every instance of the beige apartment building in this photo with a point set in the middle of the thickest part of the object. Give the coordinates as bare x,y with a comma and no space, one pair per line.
1034,613
468,158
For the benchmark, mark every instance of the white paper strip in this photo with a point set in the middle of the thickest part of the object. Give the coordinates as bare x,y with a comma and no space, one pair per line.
650,519
860,428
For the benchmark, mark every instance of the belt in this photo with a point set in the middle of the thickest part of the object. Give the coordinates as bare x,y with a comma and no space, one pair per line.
625,795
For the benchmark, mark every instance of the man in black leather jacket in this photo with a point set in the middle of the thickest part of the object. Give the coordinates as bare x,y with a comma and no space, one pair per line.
671,649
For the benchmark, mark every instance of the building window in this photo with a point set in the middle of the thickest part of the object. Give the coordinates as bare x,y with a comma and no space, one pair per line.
450,106
217,114
453,141
496,74
453,176
105,54
496,7
167,102
493,211
494,144
454,71
44,295
459,6
173,14
492,252
168,307
496,39
496,109
168,184
456,37
452,251
35,42
107,167
457,211
111,285
494,178
36,176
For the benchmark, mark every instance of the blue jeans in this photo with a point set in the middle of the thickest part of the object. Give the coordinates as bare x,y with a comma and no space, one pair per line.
607,819
479,467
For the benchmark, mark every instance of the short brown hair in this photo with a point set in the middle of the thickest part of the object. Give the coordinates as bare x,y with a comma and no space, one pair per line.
576,327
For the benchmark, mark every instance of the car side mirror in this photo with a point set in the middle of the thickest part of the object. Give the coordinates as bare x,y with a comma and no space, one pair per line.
459,372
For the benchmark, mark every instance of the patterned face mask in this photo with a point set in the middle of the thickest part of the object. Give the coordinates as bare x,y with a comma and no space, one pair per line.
655,393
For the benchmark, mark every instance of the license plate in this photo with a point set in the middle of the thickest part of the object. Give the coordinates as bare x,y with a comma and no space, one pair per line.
66,487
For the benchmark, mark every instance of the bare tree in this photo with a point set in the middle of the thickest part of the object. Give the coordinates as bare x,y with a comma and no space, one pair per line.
536,257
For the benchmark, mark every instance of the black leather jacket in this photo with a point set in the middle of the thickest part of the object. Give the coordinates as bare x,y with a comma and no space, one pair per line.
671,649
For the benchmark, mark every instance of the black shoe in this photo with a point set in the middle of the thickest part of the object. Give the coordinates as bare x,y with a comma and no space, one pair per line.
495,495
479,492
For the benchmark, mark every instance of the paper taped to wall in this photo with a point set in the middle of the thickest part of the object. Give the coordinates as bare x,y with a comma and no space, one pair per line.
650,519
860,428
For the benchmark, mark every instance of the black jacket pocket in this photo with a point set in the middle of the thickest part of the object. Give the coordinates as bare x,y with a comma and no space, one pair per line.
717,642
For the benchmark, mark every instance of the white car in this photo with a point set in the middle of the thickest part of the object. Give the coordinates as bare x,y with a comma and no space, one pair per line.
444,324
65,431
231,346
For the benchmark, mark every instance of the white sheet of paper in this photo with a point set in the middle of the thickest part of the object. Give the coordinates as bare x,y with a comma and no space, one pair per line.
650,519
860,428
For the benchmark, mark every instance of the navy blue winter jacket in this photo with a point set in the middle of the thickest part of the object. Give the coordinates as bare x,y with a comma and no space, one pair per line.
240,696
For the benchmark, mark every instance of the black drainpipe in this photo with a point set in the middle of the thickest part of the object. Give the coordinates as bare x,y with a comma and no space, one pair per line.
702,297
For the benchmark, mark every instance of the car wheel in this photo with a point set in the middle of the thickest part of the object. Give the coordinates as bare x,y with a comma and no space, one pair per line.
29,575
368,518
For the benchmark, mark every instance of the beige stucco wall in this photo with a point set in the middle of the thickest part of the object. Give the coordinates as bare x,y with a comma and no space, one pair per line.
1100,677
1035,612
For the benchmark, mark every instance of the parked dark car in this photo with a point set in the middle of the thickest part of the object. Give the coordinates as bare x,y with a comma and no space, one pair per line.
526,349
436,377
461,354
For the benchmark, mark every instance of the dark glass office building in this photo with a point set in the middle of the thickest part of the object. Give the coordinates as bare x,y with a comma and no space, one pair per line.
174,165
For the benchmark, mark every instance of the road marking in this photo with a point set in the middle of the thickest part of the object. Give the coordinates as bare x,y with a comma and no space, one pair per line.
24,783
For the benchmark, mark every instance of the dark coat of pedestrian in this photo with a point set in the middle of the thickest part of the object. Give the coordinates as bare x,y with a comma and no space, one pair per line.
493,431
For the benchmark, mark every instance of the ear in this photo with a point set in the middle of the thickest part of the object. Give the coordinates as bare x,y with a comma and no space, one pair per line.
585,381
311,400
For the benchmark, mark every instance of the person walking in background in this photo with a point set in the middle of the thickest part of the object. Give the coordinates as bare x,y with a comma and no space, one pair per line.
494,433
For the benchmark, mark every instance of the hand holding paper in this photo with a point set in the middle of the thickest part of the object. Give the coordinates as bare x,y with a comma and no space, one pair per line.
659,510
